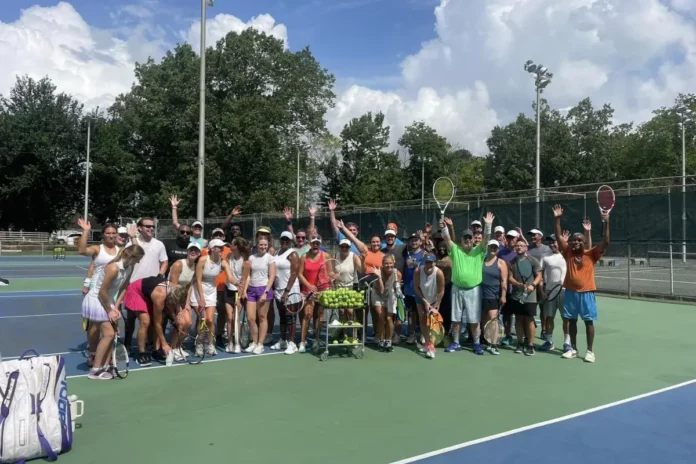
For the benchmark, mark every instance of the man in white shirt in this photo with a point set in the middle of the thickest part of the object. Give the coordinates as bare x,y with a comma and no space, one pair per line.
554,269
155,262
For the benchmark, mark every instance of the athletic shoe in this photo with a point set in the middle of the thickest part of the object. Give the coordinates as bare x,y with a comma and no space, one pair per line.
570,354
396,339
259,349
547,346
493,350
589,357
159,356
250,348
430,352
144,360
280,346
4,282
519,349
507,341
237,349
211,350
477,349
229,348
529,351
302,348
291,348
411,339
388,346
99,374
199,350
178,355
566,347
453,347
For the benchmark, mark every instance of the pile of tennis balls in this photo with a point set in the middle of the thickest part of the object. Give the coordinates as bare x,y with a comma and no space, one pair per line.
342,298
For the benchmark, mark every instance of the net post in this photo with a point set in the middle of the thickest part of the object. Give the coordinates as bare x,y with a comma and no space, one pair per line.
629,270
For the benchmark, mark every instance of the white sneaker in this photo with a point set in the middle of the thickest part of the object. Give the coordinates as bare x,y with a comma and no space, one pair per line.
258,349
570,354
430,354
178,355
291,349
589,357
302,348
211,350
229,347
250,348
237,349
281,345
411,339
199,350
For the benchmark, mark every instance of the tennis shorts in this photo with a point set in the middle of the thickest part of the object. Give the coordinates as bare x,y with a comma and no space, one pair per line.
521,309
549,308
581,304
466,304
491,304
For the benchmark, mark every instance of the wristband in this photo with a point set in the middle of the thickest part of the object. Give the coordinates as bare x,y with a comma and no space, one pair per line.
487,229
445,231
87,282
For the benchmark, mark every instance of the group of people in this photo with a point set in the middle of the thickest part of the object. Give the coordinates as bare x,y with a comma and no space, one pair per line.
467,282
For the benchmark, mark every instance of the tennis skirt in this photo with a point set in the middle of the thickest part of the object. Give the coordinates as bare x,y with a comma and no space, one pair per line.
209,296
135,299
92,309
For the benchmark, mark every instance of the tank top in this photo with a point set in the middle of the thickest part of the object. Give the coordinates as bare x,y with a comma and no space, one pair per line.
236,266
311,272
373,259
187,273
428,284
490,284
259,269
122,277
102,259
347,275
283,268
211,270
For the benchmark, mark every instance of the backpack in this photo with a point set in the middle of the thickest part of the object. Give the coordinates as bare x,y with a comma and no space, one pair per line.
35,414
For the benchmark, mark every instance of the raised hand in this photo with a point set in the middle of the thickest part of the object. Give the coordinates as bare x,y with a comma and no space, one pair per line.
132,230
174,200
557,211
313,210
236,211
288,213
566,235
428,228
587,225
604,216
332,205
84,225
339,224
449,222
488,218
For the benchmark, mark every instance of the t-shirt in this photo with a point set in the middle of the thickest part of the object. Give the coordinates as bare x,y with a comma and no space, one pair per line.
175,252
339,237
200,241
397,252
554,268
536,269
580,276
467,269
413,262
539,252
505,251
155,253
221,280
259,270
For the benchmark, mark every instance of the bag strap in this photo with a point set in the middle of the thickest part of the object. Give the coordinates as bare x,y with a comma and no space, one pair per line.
8,395
50,454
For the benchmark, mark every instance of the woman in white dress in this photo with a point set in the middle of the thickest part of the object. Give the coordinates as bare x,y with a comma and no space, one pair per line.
99,309
286,283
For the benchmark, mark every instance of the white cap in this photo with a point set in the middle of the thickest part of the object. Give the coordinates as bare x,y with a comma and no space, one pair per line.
345,241
193,245
286,234
218,230
197,223
122,230
315,238
493,242
390,232
476,223
216,243
534,232
512,233
500,229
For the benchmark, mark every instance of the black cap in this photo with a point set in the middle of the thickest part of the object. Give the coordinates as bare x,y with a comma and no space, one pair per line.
550,238
468,232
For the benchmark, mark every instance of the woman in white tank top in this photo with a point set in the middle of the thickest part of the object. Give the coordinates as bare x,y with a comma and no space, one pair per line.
238,261
99,308
101,255
429,283
204,294
350,265
182,274
286,284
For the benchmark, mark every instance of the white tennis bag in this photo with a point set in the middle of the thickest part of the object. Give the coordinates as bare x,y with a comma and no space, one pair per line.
35,415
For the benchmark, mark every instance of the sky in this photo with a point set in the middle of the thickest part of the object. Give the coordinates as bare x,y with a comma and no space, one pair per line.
457,65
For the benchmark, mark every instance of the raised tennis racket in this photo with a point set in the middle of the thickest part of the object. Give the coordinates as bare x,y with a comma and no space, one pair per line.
436,329
119,355
443,192
605,199
526,272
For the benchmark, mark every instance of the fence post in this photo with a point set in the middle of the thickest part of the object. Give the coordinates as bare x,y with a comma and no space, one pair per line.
671,262
254,223
629,270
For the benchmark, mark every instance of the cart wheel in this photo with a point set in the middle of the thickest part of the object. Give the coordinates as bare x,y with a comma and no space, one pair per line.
359,354
324,356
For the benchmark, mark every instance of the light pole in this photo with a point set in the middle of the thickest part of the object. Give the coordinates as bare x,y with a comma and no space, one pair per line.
686,116
423,159
201,119
542,78
297,208
89,137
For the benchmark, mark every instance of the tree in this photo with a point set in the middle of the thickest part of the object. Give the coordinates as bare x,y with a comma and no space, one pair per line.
428,156
42,143
591,135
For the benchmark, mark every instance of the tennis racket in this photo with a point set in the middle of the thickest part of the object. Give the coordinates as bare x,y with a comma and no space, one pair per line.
493,331
295,302
200,342
119,355
605,199
436,329
526,272
553,291
245,336
443,192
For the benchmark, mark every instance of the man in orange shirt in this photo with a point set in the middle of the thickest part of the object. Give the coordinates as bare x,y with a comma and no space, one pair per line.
580,283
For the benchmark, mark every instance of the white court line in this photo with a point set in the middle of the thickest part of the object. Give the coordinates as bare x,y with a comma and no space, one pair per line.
248,356
645,280
44,354
541,424
38,315
39,294
83,268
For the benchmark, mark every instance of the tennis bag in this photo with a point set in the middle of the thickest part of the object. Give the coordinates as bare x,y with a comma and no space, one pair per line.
35,417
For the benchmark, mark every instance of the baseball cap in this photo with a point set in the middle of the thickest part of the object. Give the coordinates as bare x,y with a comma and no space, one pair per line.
218,231
193,245
476,223
216,243
551,238
390,232
122,230
512,233
413,235
197,223
430,258
468,232
345,241
493,243
286,234
500,229
315,238
263,230
534,232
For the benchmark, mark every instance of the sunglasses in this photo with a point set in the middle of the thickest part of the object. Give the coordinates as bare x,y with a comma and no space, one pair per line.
148,226
185,232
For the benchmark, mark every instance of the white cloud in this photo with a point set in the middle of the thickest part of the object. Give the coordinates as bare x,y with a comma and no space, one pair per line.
220,25
636,55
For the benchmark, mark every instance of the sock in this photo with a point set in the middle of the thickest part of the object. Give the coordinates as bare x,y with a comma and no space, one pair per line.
549,337
566,339
477,339
455,337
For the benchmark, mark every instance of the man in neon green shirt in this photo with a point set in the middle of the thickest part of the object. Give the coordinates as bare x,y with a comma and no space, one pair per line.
467,273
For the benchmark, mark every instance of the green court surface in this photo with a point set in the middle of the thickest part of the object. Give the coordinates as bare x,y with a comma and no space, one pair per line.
47,284
385,407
